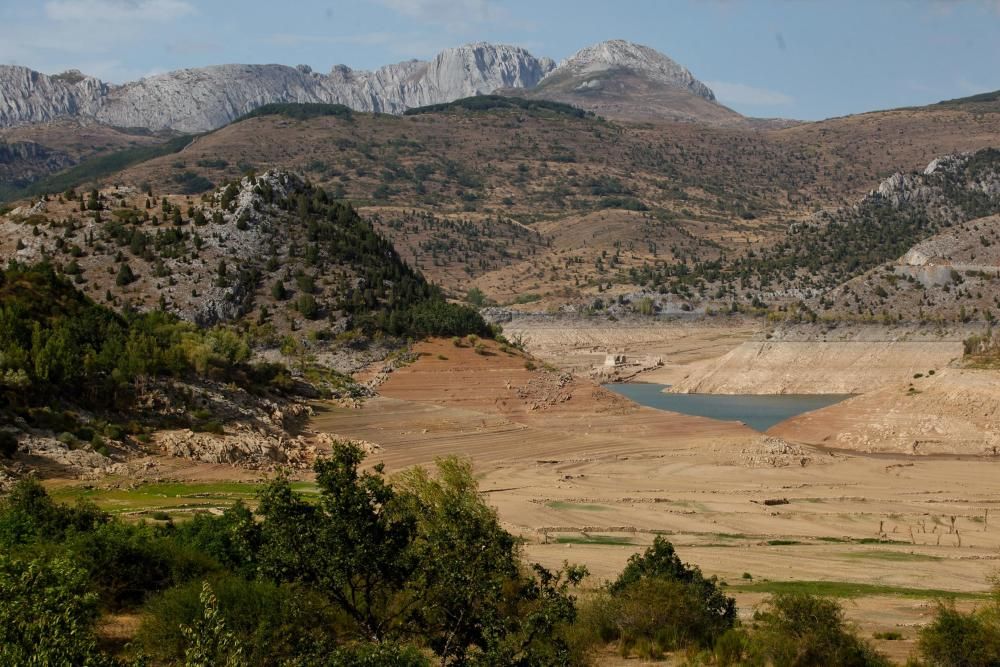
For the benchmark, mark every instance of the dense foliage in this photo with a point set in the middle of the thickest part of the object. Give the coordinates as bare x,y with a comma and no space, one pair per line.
372,285
493,102
403,568
659,604
58,345
299,111
377,571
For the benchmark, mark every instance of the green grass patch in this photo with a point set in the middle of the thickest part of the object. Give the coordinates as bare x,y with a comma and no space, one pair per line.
837,540
876,540
299,111
164,497
902,556
845,589
561,505
606,540
782,543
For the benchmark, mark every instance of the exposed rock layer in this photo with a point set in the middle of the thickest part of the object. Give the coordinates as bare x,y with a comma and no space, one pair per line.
196,100
201,99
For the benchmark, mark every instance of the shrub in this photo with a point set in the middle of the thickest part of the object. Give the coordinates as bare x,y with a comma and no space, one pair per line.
308,307
128,562
654,615
47,614
660,561
957,639
125,276
28,515
802,629
658,604
273,623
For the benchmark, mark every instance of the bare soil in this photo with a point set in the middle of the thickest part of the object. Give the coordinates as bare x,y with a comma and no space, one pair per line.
587,476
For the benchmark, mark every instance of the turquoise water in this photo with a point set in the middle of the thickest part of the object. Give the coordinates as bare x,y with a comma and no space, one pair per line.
757,412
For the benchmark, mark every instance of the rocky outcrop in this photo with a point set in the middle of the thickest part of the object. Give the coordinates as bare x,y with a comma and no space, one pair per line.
201,99
27,96
625,81
592,64
205,98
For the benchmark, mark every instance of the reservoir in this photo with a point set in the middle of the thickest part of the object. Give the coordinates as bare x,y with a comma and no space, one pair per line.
759,412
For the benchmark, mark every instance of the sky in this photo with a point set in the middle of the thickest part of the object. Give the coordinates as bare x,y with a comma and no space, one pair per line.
801,59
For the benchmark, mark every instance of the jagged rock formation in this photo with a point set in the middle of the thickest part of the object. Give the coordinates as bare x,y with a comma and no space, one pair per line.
27,96
196,100
616,78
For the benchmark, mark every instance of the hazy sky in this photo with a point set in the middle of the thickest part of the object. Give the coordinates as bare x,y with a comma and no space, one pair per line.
793,58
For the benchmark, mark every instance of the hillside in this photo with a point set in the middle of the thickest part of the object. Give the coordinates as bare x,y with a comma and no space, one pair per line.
272,246
537,201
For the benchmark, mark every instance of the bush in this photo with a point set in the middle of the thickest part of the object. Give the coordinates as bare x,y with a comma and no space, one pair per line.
127,563
652,616
308,307
802,629
658,604
660,561
47,614
956,639
272,623
28,515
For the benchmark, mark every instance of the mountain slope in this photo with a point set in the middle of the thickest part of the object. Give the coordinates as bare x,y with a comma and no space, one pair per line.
622,80
201,99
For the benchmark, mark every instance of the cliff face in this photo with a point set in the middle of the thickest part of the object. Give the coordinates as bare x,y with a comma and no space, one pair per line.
197,100
27,96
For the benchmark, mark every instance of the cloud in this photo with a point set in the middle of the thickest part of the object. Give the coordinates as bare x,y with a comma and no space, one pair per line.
456,15
118,11
741,93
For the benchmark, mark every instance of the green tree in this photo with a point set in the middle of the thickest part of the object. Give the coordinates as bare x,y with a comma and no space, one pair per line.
466,556
308,307
278,291
660,561
125,275
353,544
47,614
476,297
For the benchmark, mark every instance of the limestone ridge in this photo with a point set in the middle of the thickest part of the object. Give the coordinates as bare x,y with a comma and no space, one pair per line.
201,99
27,96
591,64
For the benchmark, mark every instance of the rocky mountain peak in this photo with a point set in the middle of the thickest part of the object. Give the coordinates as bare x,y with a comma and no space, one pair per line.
618,54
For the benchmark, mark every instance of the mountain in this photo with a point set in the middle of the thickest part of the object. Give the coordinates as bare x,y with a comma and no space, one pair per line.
622,80
201,99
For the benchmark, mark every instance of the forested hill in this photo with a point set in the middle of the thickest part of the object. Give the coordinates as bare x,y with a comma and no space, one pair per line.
271,248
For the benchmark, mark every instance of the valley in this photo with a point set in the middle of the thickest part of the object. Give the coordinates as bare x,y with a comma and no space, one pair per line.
243,306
